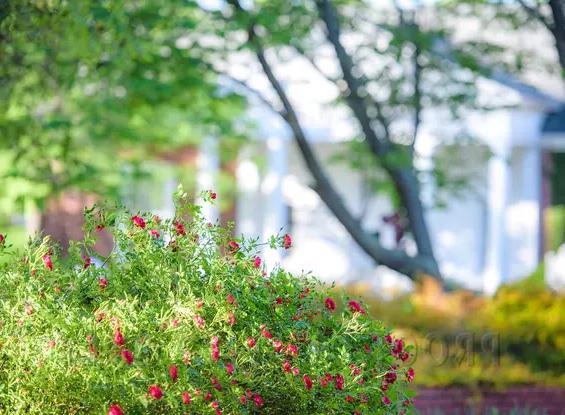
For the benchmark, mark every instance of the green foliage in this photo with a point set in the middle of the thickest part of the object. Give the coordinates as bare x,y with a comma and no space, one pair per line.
516,337
88,86
183,294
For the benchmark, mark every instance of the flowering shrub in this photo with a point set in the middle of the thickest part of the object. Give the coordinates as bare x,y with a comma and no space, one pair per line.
182,318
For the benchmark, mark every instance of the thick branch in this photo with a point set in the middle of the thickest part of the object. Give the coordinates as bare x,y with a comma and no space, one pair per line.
558,29
404,178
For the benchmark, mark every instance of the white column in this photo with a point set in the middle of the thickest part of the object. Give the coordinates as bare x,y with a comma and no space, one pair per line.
531,191
249,209
498,184
275,210
208,166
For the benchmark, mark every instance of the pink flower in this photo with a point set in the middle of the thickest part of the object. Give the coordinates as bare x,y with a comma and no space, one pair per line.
87,261
208,396
307,382
119,338
330,304
138,221
287,241
231,318
258,400
295,371
99,227
179,229
388,338
2,239
386,400
127,356
215,341
229,368
355,307
155,392
339,382
257,262
398,347
277,345
410,374
155,233
199,321
115,409
215,354
251,342
287,367
174,373
231,299
186,398
242,399
102,283
199,303
234,246
47,262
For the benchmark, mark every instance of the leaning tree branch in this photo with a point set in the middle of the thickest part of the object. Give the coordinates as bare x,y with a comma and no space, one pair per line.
535,14
393,258
558,29
404,177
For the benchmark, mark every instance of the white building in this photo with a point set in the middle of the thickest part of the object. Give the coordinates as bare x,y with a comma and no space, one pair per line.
491,235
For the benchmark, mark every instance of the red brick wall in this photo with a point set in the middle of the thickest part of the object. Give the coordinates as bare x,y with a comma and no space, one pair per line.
454,401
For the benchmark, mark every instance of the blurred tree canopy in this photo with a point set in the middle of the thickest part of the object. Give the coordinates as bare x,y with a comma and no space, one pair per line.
87,85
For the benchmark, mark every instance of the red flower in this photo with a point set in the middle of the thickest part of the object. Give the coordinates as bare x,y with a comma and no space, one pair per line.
213,195
349,398
386,400
292,349
295,371
229,368
258,400
127,356
330,304
174,373
234,246
208,396
398,347
279,300
242,399
231,318
215,354
231,299
410,374
99,228
251,342
138,221
404,356
186,398
119,338
199,303
388,338
307,382
179,229
257,262
249,393
199,321
355,307
287,241
267,334
87,261
287,366
155,233
115,409
155,392
2,239
47,262
102,283
339,382
323,382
